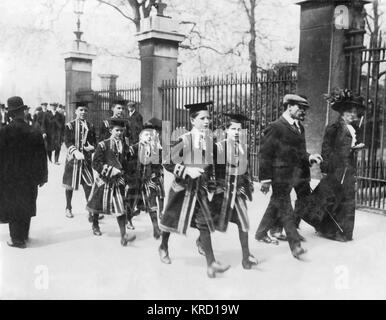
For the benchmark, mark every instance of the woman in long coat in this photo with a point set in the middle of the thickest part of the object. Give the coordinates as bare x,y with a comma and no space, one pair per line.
188,202
340,143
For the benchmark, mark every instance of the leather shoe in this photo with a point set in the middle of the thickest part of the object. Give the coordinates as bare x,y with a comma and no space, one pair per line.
267,239
130,225
298,251
69,213
216,267
279,236
127,238
17,244
101,216
96,231
249,262
164,255
199,247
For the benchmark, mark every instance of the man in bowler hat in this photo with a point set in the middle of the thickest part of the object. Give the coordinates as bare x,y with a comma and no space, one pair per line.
23,167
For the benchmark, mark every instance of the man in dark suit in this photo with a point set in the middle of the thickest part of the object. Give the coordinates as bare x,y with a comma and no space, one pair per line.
23,167
4,117
284,164
135,122
56,123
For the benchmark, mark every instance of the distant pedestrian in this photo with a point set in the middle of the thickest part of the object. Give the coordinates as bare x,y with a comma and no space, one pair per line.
56,123
28,116
4,117
23,167
135,121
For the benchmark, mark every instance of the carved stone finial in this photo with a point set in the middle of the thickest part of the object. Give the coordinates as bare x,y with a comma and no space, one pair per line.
160,6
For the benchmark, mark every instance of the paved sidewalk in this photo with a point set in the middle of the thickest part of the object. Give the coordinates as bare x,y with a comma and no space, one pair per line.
65,261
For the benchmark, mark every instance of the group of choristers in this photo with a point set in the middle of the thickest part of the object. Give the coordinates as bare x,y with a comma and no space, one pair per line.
108,167
122,173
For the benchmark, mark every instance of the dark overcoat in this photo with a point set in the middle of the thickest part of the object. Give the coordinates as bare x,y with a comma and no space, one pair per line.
135,126
56,124
77,134
339,165
23,166
283,154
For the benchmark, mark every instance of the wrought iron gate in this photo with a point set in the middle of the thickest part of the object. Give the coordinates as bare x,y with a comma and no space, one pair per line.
371,166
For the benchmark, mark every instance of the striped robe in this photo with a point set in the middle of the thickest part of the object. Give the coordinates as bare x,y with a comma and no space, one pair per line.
107,194
186,195
151,176
233,190
76,172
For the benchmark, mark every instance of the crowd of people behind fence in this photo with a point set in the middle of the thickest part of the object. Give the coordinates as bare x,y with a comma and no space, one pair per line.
117,163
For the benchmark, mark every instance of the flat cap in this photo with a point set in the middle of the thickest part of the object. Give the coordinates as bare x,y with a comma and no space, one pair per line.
295,99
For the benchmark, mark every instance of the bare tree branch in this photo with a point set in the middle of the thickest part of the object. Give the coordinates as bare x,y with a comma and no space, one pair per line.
246,8
118,9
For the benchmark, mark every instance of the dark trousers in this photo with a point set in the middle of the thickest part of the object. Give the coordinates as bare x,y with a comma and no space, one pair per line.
69,193
280,211
19,230
56,153
303,190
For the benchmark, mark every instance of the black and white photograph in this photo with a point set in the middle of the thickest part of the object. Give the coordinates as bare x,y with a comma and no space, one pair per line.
194,150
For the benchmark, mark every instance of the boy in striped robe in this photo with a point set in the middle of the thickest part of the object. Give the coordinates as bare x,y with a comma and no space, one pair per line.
108,192
80,140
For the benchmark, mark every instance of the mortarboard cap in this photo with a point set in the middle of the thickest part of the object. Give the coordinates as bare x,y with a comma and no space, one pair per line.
195,107
81,103
153,123
120,101
117,122
236,117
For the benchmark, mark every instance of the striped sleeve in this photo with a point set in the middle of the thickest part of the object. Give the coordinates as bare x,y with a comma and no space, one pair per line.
106,171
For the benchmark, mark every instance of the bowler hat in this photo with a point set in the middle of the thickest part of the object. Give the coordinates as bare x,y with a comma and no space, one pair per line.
15,103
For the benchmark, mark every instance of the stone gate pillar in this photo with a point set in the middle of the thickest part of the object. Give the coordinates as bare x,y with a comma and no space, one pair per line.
158,46
330,31
78,67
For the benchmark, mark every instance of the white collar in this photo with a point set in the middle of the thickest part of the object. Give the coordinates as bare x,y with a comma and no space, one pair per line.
353,134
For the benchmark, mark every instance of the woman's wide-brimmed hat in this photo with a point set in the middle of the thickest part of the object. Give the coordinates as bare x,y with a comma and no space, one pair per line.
341,100
15,103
